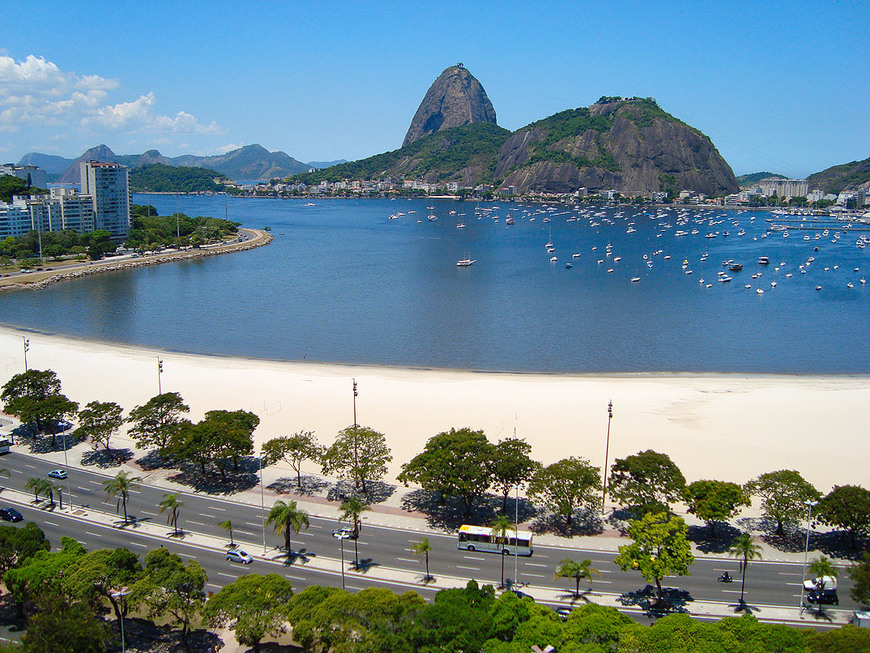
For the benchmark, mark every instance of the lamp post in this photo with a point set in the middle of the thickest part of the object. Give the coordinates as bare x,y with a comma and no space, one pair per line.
516,535
159,374
66,464
355,453
119,594
26,348
606,454
263,503
341,537
809,505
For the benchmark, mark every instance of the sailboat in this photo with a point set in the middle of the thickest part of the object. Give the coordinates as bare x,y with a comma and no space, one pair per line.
465,262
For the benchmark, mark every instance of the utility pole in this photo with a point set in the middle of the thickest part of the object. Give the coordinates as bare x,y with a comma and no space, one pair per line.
606,454
159,373
26,348
355,452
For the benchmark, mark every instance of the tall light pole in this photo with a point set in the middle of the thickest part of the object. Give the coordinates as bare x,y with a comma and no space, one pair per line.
355,453
263,503
159,373
606,454
809,505
26,348
516,532
66,464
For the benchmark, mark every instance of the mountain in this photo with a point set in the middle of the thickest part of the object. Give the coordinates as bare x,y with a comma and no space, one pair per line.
847,176
320,165
73,175
52,164
247,163
162,178
456,98
752,179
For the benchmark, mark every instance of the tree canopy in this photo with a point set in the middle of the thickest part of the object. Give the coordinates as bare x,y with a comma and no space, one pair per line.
566,486
647,481
715,501
154,423
784,496
358,453
847,507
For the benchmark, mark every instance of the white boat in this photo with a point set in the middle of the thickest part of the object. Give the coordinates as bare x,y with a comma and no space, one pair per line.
465,262
635,279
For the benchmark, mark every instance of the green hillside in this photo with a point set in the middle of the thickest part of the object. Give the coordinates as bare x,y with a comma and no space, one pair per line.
755,177
160,178
841,177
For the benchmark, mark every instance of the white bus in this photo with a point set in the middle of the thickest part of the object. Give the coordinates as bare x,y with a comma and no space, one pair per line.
481,538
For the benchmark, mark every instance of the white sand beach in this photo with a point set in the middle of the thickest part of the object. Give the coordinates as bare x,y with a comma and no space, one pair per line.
728,427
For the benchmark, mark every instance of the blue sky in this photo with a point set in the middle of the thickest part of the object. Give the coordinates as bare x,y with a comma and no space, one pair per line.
777,86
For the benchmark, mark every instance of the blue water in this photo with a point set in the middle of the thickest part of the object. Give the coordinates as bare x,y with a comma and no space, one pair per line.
344,283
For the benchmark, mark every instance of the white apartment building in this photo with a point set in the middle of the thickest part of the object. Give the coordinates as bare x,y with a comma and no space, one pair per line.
784,187
108,184
14,218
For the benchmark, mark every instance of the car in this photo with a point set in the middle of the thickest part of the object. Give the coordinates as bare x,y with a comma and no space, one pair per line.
563,613
10,514
825,597
345,534
57,473
237,555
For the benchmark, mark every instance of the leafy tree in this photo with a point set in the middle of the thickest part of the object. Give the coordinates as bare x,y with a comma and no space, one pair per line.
459,619
40,576
169,586
60,626
99,575
715,501
565,486
231,434
577,570
351,510
99,420
171,504
294,450
500,529
660,548
454,462
744,548
155,422
648,481
422,549
34,397
860,575
253,606
847,507
511,466
359,453
18,545
286,517
678,632
120,486
227,525
784,495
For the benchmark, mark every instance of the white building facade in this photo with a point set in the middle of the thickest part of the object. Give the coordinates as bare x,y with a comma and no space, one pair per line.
109,186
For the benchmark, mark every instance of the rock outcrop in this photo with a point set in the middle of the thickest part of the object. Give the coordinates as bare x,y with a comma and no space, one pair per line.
455,99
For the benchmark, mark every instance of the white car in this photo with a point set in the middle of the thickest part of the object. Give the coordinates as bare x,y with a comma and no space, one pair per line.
237,555
345,534
57,473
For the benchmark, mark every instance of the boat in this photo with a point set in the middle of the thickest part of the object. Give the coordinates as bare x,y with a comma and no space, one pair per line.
553,259
465,262
763,260
509,220
735,267
635,279
461,225
568,265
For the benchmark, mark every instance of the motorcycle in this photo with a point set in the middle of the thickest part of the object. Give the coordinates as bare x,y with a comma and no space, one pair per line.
725,578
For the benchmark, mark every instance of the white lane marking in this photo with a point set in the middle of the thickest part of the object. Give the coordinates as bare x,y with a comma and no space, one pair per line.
535,564
296,577
470,568
29,466
92,534
220,573
306,534
51,522
473,558
217,508
533,575
406,559
202,514
314,526
139,544
198,523
733,592
146,512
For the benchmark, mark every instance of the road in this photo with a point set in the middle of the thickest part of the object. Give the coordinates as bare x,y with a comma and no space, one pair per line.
774,584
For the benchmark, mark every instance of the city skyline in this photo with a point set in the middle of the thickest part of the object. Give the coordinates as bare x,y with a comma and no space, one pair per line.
776,87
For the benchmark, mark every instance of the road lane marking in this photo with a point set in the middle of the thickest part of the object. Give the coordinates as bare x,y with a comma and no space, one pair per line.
406,560
535,564
470,568
29,466
52,523
93,534
198,523
217,508
220,573
473,558
139,544
533,575
202,514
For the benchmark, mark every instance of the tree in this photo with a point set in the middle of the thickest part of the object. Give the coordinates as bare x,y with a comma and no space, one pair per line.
500,529
253,606
173,505
351,510
454,462
847,507
647,481
168,585
39,577
422,549
860,575
120,487
39,486
18,545
821,569
60,626
715,501
99,420
784,495
744,547
511,466
286,517
577,570
660,548
155,422
227,525
294,450
565,486
34,397
358,453
233,435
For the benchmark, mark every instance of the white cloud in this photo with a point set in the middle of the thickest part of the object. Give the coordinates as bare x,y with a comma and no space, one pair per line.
37,92
223,149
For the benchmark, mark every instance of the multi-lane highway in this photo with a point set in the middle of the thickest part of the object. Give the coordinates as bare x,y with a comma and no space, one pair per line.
768,583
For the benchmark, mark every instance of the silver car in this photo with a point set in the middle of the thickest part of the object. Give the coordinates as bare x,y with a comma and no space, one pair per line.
237,555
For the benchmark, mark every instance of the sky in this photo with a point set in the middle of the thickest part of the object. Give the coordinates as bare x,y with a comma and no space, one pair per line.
778,86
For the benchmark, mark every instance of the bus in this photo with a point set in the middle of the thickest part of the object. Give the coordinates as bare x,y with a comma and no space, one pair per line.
5,442
480,538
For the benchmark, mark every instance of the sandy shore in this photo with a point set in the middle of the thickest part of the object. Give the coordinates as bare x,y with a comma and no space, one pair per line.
728,427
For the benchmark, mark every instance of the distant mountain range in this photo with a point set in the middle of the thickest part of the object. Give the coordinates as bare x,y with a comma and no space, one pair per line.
248,163
847,176
752,179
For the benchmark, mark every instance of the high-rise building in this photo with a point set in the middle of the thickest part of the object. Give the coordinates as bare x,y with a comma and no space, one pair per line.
108,184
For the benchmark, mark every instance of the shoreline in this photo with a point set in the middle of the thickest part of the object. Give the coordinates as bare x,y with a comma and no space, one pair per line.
724,426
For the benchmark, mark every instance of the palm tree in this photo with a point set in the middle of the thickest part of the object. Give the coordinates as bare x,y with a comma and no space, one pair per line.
500,528
821,568
286,517
38,485
227,525
350,510
120,486
173,505
577,570
421,549
744,547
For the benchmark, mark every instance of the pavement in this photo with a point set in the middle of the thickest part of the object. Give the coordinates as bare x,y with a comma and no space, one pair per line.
389,513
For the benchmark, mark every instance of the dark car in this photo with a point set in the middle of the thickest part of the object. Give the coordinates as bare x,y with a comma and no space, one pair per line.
825,597
10,514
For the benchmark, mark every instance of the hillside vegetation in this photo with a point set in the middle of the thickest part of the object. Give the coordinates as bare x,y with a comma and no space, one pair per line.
161,178
841,177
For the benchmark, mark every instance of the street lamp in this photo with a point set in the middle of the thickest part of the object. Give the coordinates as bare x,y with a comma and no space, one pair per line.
263,503
606,454
516,534
26,347
119,594
355,454
809,505
159,373
341,536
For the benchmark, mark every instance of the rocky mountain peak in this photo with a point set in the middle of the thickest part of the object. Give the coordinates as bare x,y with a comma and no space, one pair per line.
456,98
